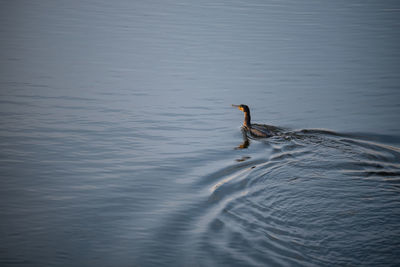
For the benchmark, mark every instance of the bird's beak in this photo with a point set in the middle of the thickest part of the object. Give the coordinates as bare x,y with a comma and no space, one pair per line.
237,106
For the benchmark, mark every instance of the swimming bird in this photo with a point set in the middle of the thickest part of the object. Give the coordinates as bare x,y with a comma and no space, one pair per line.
256,130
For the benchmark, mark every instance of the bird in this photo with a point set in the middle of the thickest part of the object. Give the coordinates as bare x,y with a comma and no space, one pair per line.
256,130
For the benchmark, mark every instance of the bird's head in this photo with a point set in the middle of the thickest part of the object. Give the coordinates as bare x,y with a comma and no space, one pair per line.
242,107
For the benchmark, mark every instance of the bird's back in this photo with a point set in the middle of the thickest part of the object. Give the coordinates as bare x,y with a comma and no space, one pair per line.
263,130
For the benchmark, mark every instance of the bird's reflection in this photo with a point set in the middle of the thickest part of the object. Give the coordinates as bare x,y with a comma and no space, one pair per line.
246,141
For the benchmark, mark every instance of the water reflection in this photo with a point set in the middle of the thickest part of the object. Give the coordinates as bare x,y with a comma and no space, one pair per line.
246,141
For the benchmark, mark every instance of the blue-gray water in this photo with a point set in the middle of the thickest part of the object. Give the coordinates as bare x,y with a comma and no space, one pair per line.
117,135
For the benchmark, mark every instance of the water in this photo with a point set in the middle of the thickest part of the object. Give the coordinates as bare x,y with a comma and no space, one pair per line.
118,142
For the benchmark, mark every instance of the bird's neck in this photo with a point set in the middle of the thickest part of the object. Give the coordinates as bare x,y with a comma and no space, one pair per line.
247,119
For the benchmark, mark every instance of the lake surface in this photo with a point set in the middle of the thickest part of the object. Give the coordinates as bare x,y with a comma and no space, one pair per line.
119,145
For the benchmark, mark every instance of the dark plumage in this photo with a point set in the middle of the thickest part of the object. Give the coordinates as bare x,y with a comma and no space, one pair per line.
256,130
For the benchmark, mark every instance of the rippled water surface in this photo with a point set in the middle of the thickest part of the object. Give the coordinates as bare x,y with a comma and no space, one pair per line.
119,145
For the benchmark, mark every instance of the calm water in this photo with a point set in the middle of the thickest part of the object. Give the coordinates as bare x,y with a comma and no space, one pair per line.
117,135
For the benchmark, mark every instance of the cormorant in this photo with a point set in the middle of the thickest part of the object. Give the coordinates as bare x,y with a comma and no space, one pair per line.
256,130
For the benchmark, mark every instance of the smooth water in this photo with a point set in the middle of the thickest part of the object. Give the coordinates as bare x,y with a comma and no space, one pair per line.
119,145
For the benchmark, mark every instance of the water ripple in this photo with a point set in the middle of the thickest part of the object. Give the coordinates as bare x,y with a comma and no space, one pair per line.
316,199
